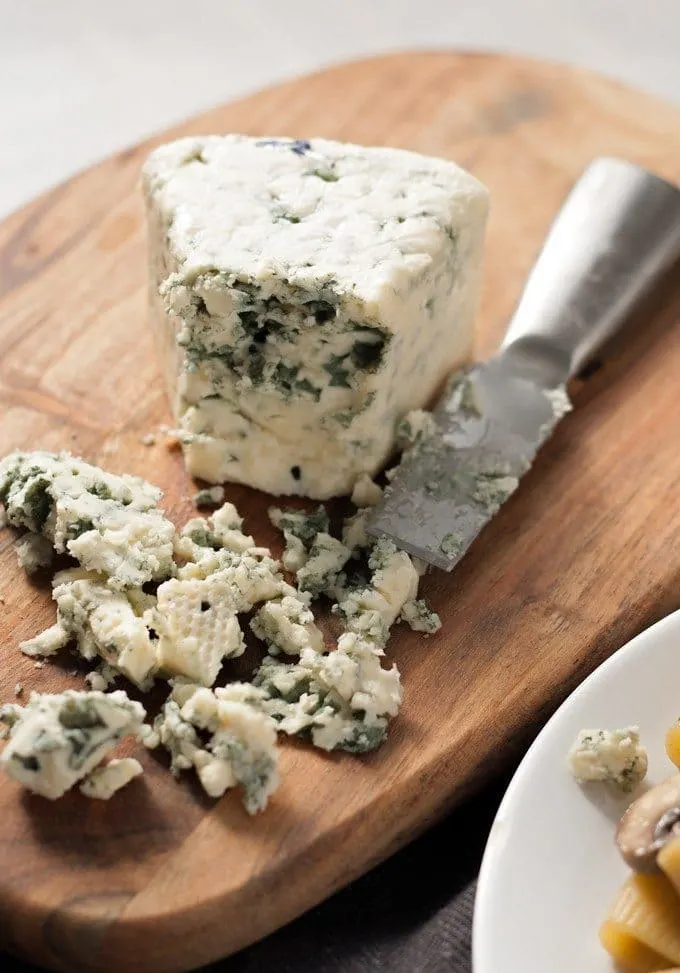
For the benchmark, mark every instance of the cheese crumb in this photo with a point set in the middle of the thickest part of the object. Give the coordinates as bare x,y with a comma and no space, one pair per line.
210,497
614,756
366,493
33,552
105,780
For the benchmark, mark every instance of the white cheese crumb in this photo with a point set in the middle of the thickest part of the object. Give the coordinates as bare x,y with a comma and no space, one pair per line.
343,698
33,552
18,689
242,744
106,623
327,557
38,665
103,782
354,535
615,756
366,493
58,739
211,497
415,427
109,523
287,625
46,643
95,680
149,439
420,617
195,620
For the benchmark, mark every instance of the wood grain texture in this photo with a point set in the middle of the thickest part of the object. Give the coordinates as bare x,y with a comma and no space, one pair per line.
583,556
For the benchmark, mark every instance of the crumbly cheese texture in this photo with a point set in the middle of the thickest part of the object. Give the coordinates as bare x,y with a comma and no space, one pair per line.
109,523
298,289
33,552
223,575
342,699
56,740
225,735
615,756
287,625
104,781
104,624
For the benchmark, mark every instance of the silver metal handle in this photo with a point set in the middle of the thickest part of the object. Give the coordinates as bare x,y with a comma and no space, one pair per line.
617,233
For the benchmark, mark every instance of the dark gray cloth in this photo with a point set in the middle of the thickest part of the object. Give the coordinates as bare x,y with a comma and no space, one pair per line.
412,914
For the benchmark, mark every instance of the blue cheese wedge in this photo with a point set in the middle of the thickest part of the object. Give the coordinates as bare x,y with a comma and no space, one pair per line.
298,289
614,756
110,524
57,740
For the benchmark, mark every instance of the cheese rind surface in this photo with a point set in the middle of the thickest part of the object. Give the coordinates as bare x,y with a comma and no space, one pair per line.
305,295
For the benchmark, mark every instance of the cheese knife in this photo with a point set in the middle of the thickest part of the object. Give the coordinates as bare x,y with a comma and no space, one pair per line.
616,235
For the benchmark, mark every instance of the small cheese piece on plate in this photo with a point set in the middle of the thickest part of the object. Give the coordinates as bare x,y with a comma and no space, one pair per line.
615,756
305,296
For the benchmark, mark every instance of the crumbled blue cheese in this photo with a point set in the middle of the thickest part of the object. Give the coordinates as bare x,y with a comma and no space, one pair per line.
110,524
33,552
420,617
416,427
197,627
297,297
104,781
103,623
57,740
354,534
342,699
366,493
326,558
95,680
210,497
241,748
615,756
300,530
222,530
48,642
195,616
287,625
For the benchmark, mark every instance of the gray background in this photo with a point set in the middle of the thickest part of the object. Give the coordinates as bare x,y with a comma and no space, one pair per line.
82,78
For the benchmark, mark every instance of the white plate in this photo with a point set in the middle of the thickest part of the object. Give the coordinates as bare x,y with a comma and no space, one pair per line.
551,866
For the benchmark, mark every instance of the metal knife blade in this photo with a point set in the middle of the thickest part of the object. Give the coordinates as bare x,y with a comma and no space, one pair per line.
450,483
617,233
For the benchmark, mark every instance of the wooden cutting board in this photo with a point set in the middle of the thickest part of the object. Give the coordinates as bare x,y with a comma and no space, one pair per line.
583,557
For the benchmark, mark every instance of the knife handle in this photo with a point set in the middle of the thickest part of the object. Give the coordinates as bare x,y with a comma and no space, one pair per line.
617,233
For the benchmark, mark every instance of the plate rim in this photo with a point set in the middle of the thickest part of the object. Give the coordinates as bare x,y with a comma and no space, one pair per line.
483,893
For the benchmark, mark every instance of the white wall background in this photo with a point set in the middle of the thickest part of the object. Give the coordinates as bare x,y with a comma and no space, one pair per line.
80,79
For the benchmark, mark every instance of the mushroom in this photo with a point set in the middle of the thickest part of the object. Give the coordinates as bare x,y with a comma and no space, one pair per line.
650,822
